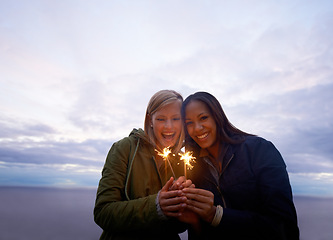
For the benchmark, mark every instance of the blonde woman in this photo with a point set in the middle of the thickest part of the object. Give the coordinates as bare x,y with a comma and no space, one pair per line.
134,200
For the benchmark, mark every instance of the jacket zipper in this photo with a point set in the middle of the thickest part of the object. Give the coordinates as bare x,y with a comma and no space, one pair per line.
217,186
219,190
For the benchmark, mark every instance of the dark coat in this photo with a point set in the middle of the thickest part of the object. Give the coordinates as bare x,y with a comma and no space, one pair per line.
254,191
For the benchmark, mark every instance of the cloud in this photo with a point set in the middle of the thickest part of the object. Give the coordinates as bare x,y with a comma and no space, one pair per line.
11,128
48,152
309,183
298,122
77,76
52,163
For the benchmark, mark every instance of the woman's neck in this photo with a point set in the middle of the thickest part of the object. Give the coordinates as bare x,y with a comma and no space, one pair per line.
214,150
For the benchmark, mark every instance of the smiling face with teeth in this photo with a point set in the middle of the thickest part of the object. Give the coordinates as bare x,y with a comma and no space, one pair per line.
167,124
201,126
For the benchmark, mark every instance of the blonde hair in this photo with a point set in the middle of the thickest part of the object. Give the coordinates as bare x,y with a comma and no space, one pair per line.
158,101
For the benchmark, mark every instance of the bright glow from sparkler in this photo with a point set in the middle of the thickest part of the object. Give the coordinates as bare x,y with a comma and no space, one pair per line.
188,159
165,154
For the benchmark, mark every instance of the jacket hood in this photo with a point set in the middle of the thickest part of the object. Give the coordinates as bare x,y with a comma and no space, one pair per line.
139,133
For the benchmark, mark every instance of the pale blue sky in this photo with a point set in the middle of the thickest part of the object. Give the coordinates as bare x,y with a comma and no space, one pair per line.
77,75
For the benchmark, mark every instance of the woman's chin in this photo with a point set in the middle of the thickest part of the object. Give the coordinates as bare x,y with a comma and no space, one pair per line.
169,144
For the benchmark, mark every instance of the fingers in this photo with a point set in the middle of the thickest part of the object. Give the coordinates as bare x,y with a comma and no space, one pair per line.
206,212
172,202
177,195
187,183
168,185
201,202
178,183
181,183
195,192
170,194
189,217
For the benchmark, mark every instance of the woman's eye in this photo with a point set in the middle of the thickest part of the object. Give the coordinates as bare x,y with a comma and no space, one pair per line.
188,123
204,117
176,119
160,119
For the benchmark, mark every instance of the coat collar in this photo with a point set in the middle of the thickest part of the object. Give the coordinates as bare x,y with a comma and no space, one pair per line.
226,157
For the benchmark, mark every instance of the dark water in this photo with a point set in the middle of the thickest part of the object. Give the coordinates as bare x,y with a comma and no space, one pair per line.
315,217
61,214
47,213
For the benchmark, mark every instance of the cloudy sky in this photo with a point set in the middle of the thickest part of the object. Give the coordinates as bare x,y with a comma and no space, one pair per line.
77,75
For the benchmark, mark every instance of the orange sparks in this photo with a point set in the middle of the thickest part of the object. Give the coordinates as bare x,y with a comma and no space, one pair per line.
188,159
165,154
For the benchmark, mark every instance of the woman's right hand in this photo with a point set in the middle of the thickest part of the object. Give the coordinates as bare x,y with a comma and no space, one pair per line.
171,201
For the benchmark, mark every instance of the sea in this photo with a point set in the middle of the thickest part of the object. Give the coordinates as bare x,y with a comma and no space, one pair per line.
41,213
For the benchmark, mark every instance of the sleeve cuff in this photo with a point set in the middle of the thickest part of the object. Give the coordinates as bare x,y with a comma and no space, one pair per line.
158,208
218,216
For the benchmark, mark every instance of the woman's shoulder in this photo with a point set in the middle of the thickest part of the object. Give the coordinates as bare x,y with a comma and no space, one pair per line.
259,146
129,144
257,141
132,138
253,139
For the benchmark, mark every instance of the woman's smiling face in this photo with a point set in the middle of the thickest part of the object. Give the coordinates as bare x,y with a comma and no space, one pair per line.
201,125
167,124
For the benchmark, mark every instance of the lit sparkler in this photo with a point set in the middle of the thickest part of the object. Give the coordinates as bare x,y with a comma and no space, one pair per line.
188,159
164,155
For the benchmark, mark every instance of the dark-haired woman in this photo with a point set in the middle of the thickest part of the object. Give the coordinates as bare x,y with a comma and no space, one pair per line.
242,186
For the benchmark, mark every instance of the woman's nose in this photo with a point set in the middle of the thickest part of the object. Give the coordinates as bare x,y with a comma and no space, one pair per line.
168,124
197,126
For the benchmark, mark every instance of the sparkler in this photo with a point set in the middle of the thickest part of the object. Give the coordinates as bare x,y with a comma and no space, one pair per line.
164,155
188,159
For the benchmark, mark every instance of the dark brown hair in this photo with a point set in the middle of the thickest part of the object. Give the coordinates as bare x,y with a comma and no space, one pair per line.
226,132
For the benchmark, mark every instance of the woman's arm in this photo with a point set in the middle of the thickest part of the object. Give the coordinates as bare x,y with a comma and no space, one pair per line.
271,216
112,210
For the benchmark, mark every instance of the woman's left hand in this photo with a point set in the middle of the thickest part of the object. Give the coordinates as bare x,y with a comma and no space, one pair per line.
201,202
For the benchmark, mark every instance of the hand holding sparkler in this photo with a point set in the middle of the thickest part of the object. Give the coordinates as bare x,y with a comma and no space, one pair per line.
171,202
181,183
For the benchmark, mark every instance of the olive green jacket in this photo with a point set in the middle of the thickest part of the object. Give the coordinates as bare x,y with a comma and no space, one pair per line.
125,205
